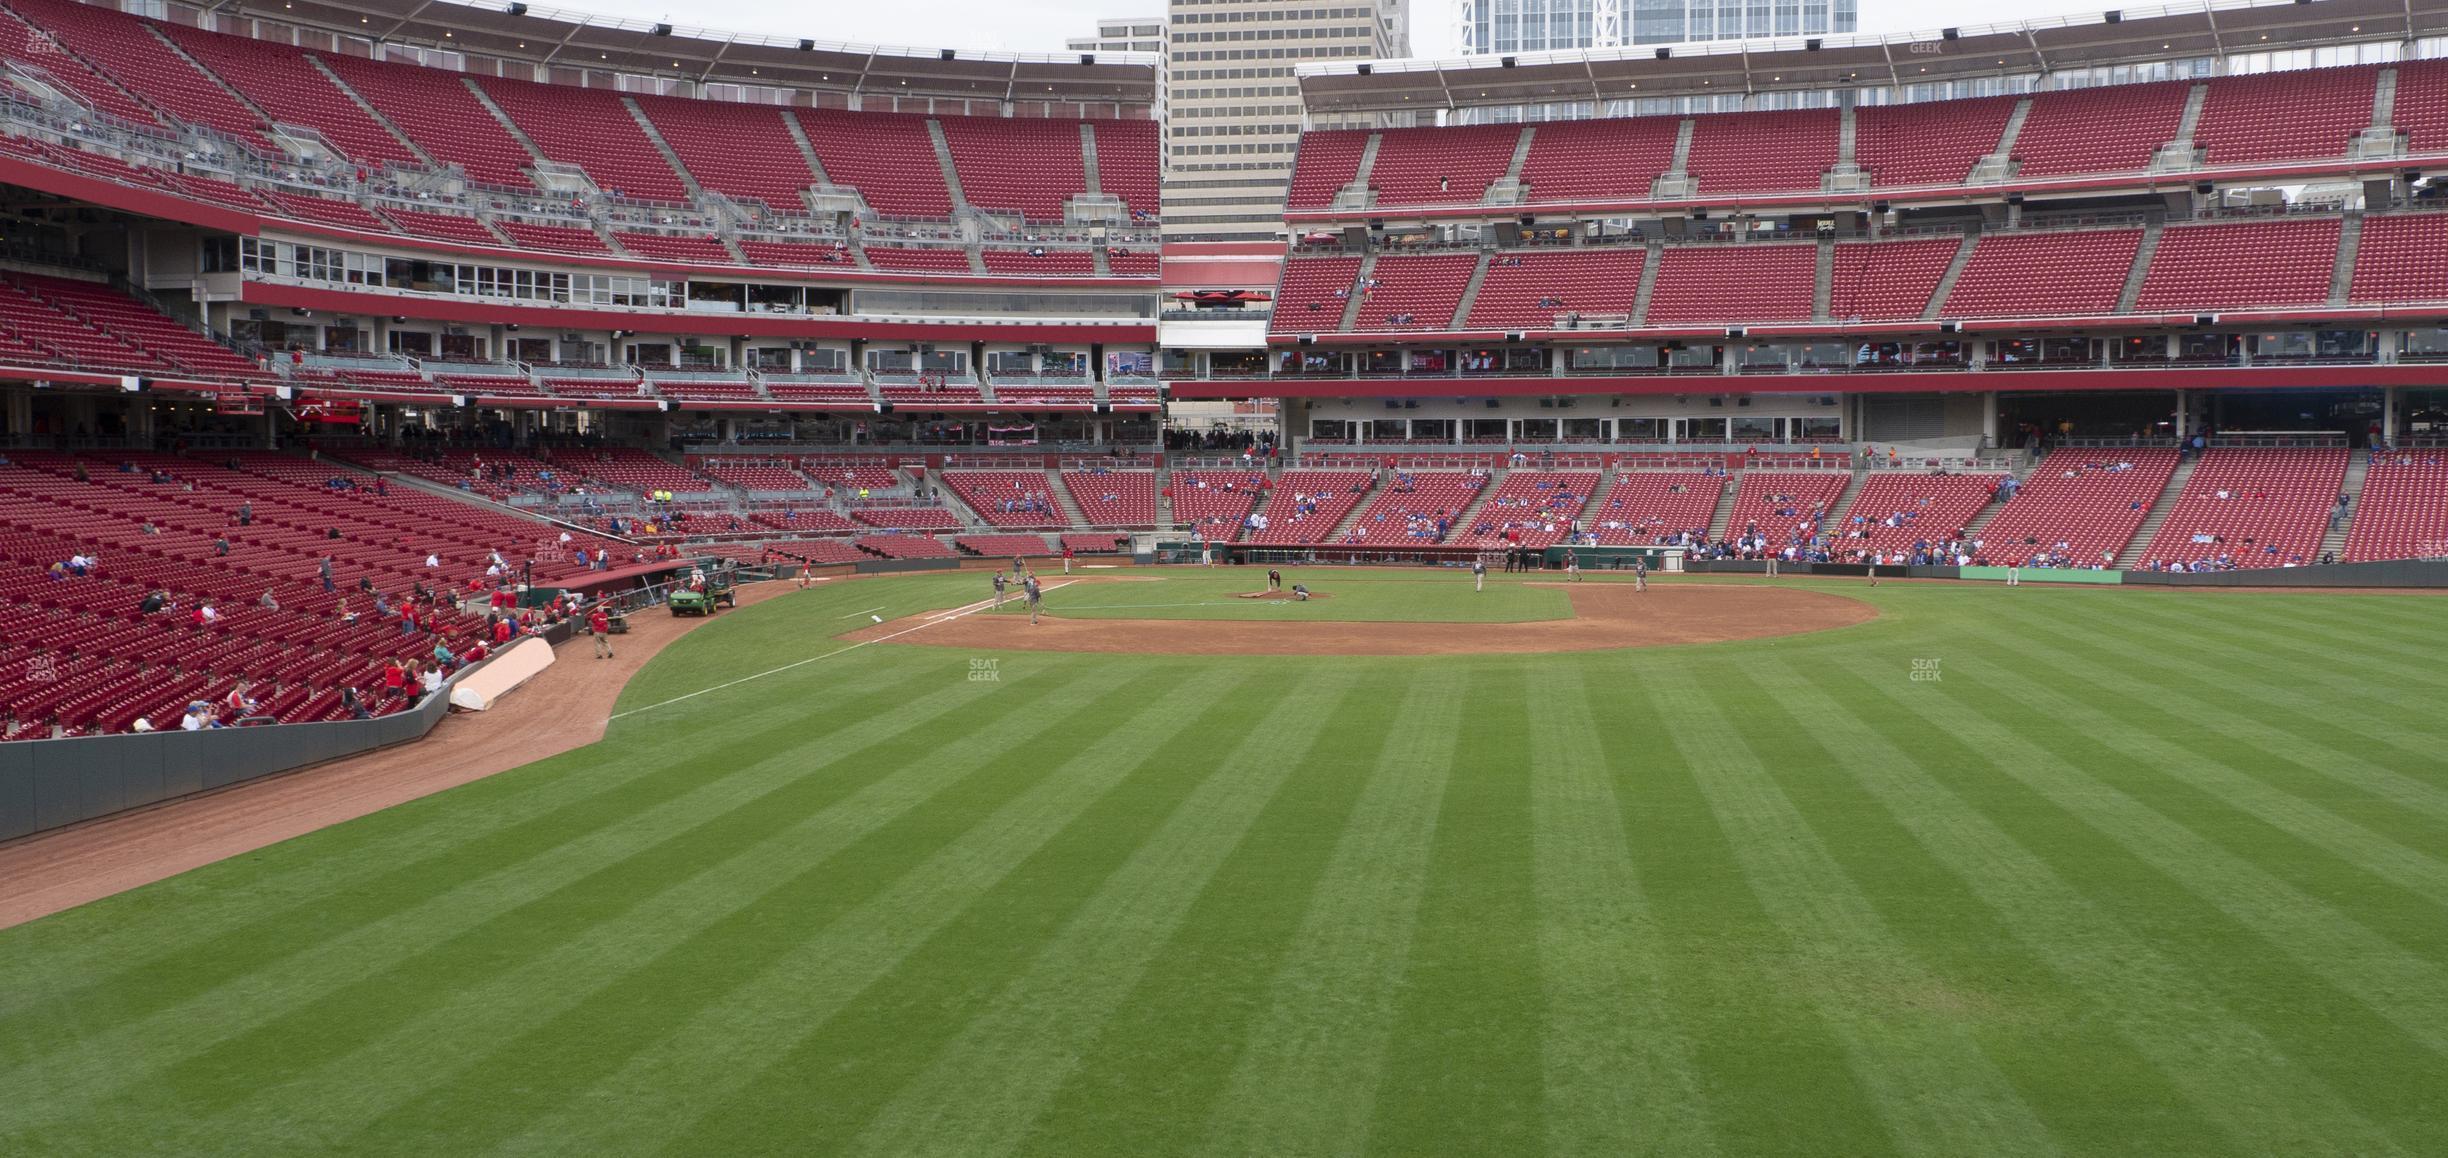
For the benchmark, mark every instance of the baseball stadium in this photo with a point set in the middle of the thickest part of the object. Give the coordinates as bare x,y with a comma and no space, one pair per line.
580,585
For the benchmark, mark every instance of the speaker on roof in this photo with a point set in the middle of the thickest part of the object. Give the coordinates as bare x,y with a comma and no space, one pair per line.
806,45
517,9
1949,34
948,54
1365,70
1306,339
1949,327
1508,62
1811,45
1734,331
663,29
1516,336
2113,16
1087,58
2205,319
1665,53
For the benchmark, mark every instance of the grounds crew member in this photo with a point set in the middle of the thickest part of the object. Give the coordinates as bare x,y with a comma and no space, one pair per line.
599,625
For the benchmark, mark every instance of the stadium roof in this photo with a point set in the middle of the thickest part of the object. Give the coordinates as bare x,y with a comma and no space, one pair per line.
517,31
2215,28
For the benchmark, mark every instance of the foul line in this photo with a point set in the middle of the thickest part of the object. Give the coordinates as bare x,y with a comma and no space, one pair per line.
942,617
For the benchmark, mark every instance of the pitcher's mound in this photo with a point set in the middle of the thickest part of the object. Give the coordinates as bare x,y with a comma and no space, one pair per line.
1605,616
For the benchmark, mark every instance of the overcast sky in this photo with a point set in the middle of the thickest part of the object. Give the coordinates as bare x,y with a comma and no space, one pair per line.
1043,25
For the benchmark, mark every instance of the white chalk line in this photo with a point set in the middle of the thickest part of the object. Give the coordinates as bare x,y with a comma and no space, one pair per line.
862,611
943,617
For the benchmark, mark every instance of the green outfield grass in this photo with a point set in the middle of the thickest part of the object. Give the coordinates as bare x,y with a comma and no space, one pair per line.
2004,872
1423,596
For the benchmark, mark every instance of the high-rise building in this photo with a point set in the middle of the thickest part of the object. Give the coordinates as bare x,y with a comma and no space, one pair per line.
1233,107
1490,26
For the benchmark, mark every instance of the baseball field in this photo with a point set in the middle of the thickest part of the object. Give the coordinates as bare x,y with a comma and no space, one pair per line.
1928,869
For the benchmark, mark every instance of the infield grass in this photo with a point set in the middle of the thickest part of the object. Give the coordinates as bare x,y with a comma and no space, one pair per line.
2028,871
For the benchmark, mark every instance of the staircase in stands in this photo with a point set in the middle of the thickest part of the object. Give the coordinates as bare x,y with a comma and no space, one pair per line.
2333,542
1352,518
1844,498
1725,509
2158,514
1470,514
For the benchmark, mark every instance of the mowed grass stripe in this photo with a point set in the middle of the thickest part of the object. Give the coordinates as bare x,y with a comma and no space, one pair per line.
564,950
1147,1083
904,1024
2328,642
1879,998
87,1053
2114,1034
2267,718
2332,994
1616,1055
1462,1064
1327,1011
1769,1068
226,918
2220,772
815,967
990,1084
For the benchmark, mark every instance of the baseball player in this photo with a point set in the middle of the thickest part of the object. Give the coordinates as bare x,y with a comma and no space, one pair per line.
1000,590
1036,596
1640,573
1274,579
1066,559
1572,565
1479,573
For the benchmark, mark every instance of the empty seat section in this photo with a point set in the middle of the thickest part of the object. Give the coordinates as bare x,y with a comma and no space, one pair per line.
1886,281
1931,143
1415,293
2249,263
904,546
1132,263
1216,503
2402,512
1895,510
2402,259
592,129
1653,506
126,49
1116,498
1762,152
908,517
2421,108
1778,505
1008,498
707,389
2113,129
345,214
1310,299
2251,506
435,109
1050,263
96,321
1527,290
741,151
756,474
1307,505
2285,116
441,226
1531,509
1328,160
1130,163
287,86
1002,546
557,238
1699,284
797,254
919,260
699,250
1414,509
888,157
2044,274
37,52
1441,166
1021,165
1599,160
2090,501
